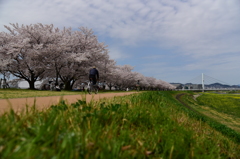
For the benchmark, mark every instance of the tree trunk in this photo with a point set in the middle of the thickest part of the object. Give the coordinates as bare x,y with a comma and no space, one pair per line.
68,85
110,86
57,78
31,84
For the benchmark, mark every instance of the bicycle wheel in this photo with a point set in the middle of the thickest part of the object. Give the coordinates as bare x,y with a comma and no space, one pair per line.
90,89
96,90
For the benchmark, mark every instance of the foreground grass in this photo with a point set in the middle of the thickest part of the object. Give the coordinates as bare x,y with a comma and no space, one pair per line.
146,125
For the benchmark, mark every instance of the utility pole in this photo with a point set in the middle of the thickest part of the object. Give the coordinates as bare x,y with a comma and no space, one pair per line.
202,83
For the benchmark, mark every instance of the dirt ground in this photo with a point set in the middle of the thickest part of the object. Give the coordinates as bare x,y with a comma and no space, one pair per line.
18,104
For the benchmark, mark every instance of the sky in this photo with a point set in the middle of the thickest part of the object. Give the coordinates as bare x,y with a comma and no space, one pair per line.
171,40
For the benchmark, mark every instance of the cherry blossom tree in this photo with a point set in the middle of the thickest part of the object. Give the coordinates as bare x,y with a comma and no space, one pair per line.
84,52
143,83
130,76
23,50
36,52
4,59
123,76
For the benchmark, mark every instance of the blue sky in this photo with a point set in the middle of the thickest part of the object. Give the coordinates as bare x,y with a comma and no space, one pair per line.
171,40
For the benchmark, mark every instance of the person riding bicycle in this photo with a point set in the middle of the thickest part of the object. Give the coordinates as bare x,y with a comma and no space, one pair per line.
93,75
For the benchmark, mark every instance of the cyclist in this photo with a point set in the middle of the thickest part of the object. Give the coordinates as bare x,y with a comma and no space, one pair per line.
93,75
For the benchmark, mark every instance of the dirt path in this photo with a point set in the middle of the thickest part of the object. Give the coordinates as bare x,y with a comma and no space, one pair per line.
41,103
178,97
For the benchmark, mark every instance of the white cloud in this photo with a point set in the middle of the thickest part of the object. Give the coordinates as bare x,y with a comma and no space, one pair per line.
192,25
116,53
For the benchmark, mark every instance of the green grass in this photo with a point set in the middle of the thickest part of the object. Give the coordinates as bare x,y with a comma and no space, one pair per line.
23,93
234,91
145,125
225,103
220,108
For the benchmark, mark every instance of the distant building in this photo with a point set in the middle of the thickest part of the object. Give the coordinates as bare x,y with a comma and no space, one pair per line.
193,86
177,85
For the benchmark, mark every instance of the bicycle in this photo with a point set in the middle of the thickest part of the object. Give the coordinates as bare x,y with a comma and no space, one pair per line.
92,88
138,87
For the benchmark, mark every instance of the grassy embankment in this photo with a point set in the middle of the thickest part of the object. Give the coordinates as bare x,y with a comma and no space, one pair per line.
224,108
146,125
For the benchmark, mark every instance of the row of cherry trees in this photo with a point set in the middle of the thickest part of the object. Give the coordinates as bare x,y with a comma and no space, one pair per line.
37,52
